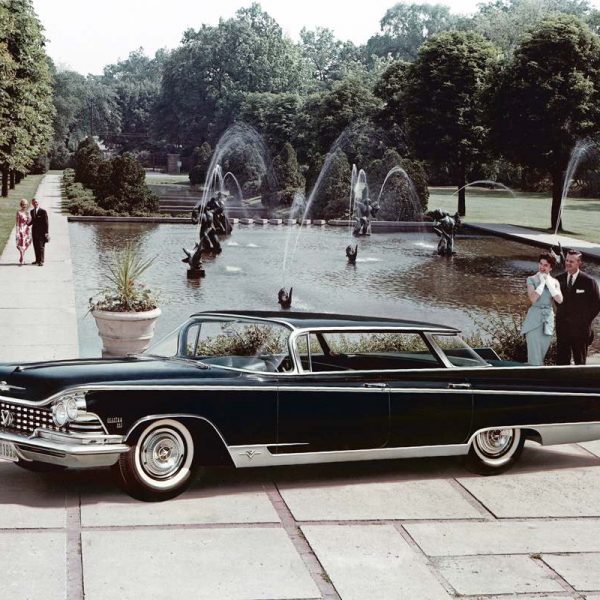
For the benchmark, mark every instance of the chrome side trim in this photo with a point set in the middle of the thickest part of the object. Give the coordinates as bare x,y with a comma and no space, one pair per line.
287,387
258,455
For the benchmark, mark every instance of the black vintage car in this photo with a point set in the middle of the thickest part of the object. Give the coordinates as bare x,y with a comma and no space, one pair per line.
280,388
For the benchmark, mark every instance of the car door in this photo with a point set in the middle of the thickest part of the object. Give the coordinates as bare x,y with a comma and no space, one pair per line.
432,405
332,408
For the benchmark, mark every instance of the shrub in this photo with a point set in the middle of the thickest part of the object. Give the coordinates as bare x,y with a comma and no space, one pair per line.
86,160
400,200
197,175
503,334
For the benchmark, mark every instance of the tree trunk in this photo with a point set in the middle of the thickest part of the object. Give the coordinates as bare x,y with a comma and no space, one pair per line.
461,182
11,179
19,176
557,189
5,181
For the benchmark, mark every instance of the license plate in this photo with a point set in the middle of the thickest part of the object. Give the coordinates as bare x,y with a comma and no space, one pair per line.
8,452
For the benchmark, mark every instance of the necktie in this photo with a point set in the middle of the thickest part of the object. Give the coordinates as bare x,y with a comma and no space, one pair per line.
570,282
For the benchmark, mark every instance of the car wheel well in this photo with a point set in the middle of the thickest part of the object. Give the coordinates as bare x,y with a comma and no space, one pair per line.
210,447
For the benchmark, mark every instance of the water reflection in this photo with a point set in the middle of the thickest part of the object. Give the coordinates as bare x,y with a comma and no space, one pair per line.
397,274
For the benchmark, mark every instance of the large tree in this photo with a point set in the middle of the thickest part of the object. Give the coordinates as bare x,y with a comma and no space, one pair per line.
135,82
548,97
505,22
26,108
205,79
328,59
405,27
443,102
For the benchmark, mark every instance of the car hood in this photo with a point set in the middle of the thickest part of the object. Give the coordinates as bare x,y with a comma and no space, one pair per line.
37,381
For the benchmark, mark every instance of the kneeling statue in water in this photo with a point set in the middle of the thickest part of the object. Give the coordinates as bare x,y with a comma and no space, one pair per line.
445,226
285,298
351,254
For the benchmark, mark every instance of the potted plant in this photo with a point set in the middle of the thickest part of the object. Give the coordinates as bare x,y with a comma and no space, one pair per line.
126,310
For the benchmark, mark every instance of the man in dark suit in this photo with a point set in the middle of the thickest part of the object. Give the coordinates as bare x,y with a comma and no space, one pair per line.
581,304
39,231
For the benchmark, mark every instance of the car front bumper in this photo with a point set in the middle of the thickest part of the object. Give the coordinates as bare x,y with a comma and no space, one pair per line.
67,450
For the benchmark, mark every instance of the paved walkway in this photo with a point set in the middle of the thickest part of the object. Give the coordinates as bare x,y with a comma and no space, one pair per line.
37,304
394,530
538,238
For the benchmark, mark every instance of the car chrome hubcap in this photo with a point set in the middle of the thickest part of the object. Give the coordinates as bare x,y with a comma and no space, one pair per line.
495,442
162,453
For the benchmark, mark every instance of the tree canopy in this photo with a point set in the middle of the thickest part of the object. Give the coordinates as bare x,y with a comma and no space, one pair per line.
444,101
548,97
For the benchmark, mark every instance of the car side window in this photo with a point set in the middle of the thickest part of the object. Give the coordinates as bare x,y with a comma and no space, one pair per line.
366,351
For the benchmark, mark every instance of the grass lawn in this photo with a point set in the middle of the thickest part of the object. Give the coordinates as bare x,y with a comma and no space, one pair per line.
157,178
9,205
581,216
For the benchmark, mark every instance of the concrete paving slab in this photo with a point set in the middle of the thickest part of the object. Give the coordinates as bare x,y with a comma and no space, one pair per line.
509,537
582,571
431,499
196,506
565,493
593,447
33,565
496,575
203,564
30,500
372,561
575,596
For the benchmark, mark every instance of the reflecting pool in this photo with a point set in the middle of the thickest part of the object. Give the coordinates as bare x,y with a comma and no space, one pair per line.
396,274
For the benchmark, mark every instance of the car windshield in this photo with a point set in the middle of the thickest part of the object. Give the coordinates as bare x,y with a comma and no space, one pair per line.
229,342
458,352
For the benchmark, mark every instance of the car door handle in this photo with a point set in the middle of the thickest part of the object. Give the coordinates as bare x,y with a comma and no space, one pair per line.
375,385
459,386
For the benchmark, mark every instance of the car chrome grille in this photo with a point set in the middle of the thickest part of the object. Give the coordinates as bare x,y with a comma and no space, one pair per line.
26,419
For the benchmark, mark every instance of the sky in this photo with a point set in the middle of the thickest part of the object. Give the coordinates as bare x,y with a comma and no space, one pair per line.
86,36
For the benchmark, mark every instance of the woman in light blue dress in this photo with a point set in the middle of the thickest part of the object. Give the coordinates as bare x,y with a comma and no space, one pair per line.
538,326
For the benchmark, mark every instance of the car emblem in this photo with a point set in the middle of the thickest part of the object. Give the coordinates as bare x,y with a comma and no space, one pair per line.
6,418
250,453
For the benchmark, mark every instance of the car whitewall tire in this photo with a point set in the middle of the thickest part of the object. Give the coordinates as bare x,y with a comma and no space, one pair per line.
161,464
495,450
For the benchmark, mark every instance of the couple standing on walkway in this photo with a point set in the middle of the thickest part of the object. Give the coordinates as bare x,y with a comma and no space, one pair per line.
31,226
577,299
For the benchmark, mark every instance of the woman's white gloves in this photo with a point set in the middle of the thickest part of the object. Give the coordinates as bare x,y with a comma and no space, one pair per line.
549,282
553,285
539,290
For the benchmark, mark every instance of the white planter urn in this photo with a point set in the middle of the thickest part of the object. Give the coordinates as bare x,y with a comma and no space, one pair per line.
125,333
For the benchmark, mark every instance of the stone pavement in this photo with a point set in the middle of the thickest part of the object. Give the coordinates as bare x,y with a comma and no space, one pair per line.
539,238
37,304
393,530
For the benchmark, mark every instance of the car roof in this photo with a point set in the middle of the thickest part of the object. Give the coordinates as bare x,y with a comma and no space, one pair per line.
313,320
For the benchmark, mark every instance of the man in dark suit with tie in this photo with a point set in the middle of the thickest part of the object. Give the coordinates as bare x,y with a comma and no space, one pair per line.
39,231
581,304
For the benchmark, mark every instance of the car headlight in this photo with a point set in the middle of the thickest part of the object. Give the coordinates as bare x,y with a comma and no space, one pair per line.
59,414
68,408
